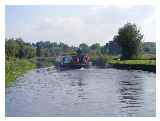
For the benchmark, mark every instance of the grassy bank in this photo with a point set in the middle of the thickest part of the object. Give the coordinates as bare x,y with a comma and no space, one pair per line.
132,62
146,62
15,68
146,65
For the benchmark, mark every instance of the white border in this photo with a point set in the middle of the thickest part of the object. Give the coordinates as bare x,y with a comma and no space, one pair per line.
158,60
121,3
81,2
2,61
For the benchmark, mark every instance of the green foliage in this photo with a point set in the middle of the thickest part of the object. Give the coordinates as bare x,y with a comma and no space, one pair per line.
96,48
11,48
17,48
100,60
129,39
145,62
48,49
84,48
15,68
103,50
17,61
148,57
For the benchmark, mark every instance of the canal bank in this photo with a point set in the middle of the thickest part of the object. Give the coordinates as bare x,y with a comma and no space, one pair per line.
15,68
145,65
150,68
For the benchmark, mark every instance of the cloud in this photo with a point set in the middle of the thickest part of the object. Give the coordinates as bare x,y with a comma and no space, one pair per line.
85,24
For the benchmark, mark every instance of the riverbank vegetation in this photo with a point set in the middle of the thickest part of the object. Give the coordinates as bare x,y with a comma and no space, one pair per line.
17,62
132,62
16,67
133,50
126,48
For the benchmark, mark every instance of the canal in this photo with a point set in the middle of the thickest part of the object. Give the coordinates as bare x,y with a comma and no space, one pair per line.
82,92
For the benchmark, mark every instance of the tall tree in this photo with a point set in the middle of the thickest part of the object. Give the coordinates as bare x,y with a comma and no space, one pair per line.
129,39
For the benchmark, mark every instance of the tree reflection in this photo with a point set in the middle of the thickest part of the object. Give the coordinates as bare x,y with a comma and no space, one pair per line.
79,83
131,94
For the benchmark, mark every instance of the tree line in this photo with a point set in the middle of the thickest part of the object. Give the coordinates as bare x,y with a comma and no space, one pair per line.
17,48
129,39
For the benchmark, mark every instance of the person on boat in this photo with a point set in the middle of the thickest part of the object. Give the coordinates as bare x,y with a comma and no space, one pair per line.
75,60
81,58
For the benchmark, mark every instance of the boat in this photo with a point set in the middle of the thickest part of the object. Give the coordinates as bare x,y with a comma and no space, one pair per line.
73,62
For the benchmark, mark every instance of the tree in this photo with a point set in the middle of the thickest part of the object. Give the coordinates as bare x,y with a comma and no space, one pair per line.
103,49
84,48
17,48
96,48
11,48
129,39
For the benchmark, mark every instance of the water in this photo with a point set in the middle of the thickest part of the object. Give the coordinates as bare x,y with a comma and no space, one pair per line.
83,92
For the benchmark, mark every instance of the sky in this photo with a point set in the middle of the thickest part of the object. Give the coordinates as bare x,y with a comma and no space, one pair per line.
76,24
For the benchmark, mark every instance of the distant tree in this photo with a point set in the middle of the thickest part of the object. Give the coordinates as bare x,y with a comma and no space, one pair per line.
129,39
39,47
49,49
84,48
11,48
96,48
103,49
149,47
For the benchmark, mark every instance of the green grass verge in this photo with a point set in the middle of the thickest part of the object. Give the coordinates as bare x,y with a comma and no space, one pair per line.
15,68
144,62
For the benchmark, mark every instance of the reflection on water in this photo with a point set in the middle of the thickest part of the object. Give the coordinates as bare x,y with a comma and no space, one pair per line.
44,62
87,92
131,96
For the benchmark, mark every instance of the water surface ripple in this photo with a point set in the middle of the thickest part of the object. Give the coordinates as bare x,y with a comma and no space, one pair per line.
83,92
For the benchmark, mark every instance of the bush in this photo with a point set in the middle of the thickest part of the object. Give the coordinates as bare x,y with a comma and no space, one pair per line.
16,67
100,60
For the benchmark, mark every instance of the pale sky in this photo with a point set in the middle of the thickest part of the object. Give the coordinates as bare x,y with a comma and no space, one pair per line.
76,24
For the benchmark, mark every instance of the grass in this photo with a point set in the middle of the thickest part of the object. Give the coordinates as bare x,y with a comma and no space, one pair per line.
132,62
148,57
145,59
16,67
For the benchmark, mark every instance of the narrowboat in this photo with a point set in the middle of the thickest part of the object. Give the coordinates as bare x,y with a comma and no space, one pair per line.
73,62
